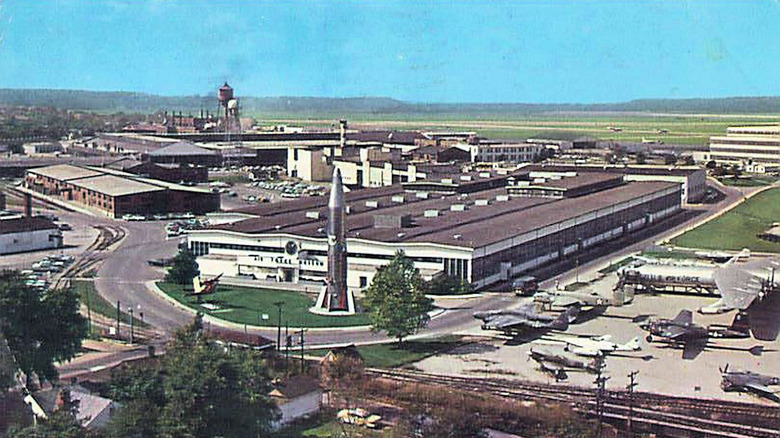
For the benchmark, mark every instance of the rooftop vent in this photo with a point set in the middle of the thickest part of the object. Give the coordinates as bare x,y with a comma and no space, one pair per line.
465,177
392,220
347,210
431,213
313,214
458,207
398,198
400,235
481,202
502,198
456,236
372,204
484,174
320,230
446,180
421,195
278,227
539,180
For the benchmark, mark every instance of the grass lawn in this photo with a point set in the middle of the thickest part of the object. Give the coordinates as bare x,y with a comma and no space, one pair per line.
97,304
245,305
615,266
674,255
755,181
392,355
738,228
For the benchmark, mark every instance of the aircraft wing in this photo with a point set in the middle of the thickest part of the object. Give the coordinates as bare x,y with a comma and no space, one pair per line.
565,301
675,333
738,286
506,322
684,317
761,390
693,348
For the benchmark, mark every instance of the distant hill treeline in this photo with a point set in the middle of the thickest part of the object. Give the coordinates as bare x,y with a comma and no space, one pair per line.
145,103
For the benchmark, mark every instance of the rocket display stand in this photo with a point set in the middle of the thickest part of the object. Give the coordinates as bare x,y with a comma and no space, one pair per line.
335,299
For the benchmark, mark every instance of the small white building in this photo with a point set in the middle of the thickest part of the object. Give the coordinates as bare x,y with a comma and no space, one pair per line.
22,234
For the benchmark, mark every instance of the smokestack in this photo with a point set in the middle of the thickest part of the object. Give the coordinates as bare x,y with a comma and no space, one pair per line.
27,205
342,133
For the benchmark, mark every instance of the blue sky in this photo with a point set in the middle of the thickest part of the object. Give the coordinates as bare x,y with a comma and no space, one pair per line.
419,51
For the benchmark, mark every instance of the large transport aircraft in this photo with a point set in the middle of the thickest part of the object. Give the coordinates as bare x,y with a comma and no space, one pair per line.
738,284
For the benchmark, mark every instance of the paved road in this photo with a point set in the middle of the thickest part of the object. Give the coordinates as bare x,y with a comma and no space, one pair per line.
124,273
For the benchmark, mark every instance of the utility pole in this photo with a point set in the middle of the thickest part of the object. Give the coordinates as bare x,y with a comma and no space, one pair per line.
600,392
288,344
279,304
118,315
132,334
303,331
631,385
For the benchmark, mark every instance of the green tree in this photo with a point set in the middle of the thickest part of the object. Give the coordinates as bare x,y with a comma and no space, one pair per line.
396,299
184,268
446,285
200,390
41,327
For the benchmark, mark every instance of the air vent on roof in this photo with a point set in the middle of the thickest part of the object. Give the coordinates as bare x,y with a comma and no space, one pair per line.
313,214
392,220
456,236
372,204
457,207
484,174
465,177
399,199
400,235
320,230
278,227
481,202
502,198
347,210
539,180
431,213
446,180
421,195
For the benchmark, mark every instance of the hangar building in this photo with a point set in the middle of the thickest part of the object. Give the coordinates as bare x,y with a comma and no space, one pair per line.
116,193
484,228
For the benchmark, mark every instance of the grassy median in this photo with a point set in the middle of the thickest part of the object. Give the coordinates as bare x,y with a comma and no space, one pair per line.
739,227
245,305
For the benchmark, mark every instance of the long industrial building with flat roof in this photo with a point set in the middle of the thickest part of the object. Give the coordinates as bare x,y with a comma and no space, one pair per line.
756,148
116,193
483,228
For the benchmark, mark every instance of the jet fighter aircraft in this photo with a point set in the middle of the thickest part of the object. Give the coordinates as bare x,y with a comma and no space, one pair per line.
558,361
207,287
681,331
525,318
599,345
748,381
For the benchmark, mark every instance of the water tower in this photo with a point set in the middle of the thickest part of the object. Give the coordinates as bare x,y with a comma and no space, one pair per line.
229,104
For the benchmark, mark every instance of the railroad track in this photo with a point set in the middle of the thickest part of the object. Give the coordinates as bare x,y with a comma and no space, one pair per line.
109,235
659,413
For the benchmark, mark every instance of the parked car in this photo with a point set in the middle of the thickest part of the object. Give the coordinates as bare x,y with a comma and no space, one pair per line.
359,417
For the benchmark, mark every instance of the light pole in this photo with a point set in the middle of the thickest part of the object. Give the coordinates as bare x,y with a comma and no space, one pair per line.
132,334
279,304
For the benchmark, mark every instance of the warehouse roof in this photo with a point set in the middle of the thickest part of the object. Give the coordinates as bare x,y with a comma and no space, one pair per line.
180,149
65,172
24,224
115,186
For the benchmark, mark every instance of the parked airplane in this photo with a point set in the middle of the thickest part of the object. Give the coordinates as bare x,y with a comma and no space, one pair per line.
599,345
748,381
557,361
207,287
741,285
562,298
525,318
681,331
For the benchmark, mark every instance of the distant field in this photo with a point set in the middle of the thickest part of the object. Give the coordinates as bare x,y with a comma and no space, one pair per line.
738,228
682,129
246,305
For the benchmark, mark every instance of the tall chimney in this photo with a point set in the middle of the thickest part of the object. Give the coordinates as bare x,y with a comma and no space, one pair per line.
342,133
27,205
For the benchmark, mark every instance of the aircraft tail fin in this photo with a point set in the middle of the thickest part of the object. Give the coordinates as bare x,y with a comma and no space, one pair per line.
196,286
745,253
565,318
